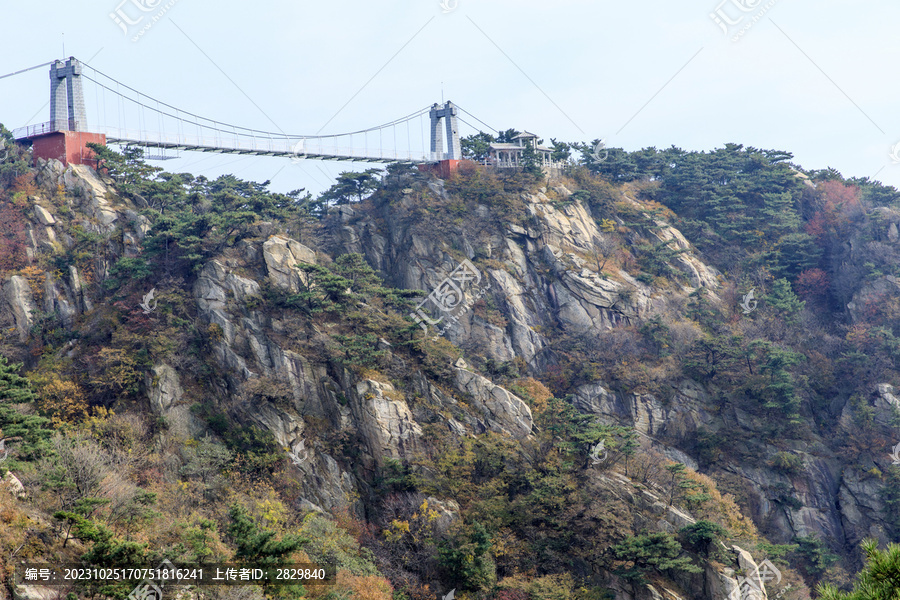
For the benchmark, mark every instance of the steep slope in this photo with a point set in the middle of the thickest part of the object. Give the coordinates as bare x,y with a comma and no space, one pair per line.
274,340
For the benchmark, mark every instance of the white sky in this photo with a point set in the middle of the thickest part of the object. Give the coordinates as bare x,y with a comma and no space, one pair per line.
812,78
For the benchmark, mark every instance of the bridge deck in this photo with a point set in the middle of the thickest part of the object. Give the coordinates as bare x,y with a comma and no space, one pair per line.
267,151
225,143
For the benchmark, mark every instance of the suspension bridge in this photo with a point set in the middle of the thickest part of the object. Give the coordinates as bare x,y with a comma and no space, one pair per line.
126,117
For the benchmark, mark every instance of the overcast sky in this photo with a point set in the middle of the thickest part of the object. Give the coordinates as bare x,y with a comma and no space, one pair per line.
816,79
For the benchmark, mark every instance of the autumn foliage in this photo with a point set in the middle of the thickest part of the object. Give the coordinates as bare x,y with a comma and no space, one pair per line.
12,238
836,206
812,284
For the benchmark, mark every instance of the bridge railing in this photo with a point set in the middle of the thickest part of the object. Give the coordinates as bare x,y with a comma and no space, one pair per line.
49,127
223,142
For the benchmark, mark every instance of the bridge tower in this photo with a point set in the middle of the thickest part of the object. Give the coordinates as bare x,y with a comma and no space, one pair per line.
446,113
67,96
65,136
444,163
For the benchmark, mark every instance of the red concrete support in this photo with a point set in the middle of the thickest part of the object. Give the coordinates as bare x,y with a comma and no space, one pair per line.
442,169
69,147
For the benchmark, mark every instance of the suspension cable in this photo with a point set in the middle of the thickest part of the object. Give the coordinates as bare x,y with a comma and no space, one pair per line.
477,119
229,126
28,69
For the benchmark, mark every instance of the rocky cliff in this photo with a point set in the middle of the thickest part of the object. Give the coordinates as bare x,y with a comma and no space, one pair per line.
505,286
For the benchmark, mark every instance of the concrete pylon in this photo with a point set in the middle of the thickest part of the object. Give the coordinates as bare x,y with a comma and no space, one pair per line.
59,112
77,114
454,149
67,111
437,133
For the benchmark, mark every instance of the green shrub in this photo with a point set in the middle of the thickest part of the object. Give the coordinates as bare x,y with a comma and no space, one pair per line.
787,463
30,433
655,552
330,545
703,537
877,580
816,558
127,269
466,557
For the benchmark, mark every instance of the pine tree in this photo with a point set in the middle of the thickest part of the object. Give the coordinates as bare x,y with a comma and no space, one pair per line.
13,387
531,162
29,432
879,579
257,545
785,301
651,553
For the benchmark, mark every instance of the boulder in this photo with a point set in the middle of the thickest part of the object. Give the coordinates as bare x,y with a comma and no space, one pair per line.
43,215
502,411
751,572
447,512
385,421
282,255
11,484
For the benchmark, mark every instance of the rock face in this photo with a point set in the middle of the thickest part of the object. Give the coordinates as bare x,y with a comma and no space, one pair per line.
883,404
279,388
282,255
645,412
95,208
97,198
167,400
535,274
276,386
542,273
385,420
34,592
59,299
652,513
872,295
503,412
20,302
